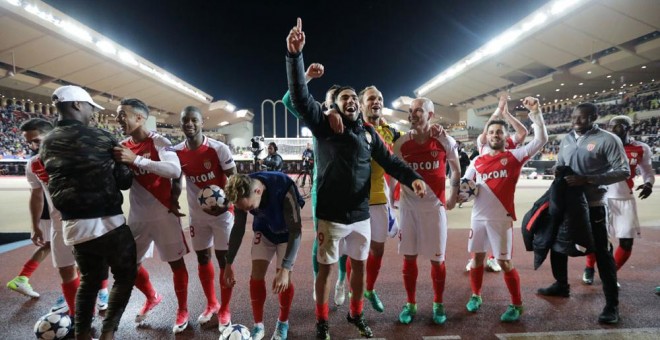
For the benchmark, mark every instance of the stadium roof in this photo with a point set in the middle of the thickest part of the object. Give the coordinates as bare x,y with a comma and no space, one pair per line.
42,48
567,48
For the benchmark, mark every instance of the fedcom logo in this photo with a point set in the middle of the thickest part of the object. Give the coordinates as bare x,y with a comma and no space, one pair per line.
494,175
202,178
425,165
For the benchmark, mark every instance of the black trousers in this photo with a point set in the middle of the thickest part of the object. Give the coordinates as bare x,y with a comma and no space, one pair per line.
605,260
114,250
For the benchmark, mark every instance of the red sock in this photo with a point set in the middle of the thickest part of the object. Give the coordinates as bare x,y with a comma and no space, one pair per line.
180,279
512,280
476,279
410,278
225,294
258,299
438,274
143,284
322,311
621,256
591,260
373,268
28,268
69,290
104,284
206,276
286,298
356,306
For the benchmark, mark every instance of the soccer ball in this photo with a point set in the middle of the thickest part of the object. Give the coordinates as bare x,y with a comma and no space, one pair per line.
53,326
211,196
236,332
467,190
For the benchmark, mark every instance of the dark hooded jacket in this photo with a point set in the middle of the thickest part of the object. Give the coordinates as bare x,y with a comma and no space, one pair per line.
559,220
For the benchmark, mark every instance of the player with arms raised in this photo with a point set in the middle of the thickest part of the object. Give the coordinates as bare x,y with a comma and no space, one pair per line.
496,174
205,161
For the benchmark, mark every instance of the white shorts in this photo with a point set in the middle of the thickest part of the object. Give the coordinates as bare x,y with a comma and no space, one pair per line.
205,233
45,226
494,235
356,237
379,222
264,249
623,221
167,235
61,253
423,233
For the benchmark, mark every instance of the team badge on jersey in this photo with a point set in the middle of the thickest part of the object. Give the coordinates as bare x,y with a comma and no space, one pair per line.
591,147
208,164
434,154
504,161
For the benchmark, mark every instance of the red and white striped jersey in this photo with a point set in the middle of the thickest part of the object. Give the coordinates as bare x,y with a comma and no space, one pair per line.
203,166
429,160
496,175
153,171
639,154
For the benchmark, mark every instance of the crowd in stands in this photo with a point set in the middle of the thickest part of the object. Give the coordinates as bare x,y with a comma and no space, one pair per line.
557,116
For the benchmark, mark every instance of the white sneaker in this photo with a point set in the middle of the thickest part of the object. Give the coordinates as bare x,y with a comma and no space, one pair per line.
257,332
221,326
60,305
493,266
340,293
102,299
22,285
469,265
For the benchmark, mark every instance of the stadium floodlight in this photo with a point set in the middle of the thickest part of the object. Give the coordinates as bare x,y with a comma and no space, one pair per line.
305,132
107,48
561,6
230,107
223,123
76,31
241,113
540,18
14,2
128,58
401,101
387,111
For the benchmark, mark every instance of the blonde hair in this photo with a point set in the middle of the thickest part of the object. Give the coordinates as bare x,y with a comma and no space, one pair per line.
238,186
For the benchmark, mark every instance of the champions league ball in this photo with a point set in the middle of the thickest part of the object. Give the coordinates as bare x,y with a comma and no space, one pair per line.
211,196
53,326
235,332
467,190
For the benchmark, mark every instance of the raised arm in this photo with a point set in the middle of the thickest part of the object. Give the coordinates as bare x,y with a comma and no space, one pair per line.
540,131
521,130
303,102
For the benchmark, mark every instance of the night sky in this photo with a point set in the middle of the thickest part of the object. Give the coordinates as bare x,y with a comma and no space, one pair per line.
234,50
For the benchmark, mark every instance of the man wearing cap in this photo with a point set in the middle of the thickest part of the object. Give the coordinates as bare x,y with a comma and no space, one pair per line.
85,184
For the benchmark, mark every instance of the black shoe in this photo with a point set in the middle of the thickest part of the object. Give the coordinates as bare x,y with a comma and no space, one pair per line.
361,325
609,315
322,330
588,276
555,289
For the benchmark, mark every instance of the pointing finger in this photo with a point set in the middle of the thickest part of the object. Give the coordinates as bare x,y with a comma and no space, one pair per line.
299,24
